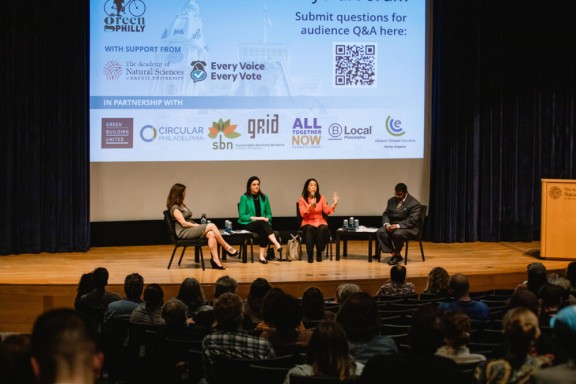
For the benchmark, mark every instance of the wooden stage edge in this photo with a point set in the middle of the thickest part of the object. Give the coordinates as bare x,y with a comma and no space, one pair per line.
33,283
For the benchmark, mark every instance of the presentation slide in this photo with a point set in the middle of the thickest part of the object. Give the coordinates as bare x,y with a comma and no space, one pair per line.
228,80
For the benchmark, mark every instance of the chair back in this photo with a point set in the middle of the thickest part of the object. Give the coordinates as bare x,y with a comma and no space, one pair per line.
423,215
298,215
170,226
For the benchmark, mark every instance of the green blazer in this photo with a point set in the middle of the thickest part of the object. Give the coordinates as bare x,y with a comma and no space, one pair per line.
246,209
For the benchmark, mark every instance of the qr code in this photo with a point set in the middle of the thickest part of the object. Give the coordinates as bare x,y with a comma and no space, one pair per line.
354,65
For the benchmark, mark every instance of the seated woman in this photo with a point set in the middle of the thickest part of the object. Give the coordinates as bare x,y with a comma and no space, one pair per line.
188,229
397,285
255,215
438,282
312,207
457,331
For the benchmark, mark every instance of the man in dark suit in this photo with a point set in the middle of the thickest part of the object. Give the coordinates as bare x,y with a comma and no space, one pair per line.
400,221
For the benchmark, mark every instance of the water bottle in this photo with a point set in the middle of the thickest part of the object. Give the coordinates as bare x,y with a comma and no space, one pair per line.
345,224
356,223
228,226
203,219
351,222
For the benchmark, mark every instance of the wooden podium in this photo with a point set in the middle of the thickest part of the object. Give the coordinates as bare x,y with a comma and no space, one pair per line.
558,228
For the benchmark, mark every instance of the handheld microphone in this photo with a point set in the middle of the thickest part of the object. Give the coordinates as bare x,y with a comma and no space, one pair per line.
313,196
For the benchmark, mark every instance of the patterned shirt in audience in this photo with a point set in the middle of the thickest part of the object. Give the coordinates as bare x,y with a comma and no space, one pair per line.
391,288
236,345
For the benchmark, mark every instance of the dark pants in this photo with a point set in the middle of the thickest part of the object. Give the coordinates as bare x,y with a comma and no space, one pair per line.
318,236
392,241
262,228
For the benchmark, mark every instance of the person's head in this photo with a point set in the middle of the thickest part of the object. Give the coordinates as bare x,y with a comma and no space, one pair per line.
457,329
523,297
358,316
398,274
564,327
438,281
258,289
459,285
520,327
551,297
345,290
174,314
15,367
190,293
176,195
400,191
426,333
311,186
228,312
153,297
286,313
269,303
253,187
133,286
561,281
571,274
85,285
224,284
64,348
328,351
312,303
100,278
536,276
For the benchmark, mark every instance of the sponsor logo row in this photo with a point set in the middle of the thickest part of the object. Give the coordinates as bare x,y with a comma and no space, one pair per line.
223,134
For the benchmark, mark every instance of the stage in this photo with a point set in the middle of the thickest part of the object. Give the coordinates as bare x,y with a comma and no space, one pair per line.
32,283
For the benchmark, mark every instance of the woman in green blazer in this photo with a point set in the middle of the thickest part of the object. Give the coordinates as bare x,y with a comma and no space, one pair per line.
255,215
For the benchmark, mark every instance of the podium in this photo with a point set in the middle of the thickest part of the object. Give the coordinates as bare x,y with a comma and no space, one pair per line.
558,227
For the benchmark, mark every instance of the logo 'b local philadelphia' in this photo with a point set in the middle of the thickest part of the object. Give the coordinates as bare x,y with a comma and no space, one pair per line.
223,128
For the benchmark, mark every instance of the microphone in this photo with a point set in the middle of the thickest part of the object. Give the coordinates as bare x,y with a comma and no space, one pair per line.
313,196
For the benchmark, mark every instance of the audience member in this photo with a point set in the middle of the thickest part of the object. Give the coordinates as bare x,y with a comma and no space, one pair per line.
571,276
460,289
438,282
268,305
95,302
229,340
253,304
122,309
536,277
286,334
551,301
457,332
224,284
564,327
191,294
327,355
345,290
419,364
177,323
358,316
84,286
150,311
520,327
523,297
15,367
64,348
397,285
314,307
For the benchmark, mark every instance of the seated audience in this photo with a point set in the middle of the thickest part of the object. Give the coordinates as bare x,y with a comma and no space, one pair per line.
15,367
286,334
345,290
438,282
419,364
460,289
191,294
457,331
64,348
95,302
397,285
358,316
314,307
150,311
523,297
84,286
571,276
536,277
229,340
253,304
177,323
122,309
268,303
520,327
564,327
551,301
327,355
224,284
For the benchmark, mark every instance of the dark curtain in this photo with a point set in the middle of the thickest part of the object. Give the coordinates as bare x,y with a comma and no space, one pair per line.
503,115
44,170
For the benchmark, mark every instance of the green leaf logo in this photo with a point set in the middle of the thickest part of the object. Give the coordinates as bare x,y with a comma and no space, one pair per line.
225,127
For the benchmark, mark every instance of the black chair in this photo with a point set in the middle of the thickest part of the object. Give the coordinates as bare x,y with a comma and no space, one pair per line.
229,370
418,237
300,235
196,243
259,374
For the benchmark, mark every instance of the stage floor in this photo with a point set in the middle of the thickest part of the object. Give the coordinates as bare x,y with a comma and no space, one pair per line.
32,283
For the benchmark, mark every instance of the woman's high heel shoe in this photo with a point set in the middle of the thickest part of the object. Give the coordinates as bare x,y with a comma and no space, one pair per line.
233,254
279,252
216,266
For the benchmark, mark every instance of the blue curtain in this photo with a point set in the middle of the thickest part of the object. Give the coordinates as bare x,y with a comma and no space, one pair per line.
44,167
503,115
